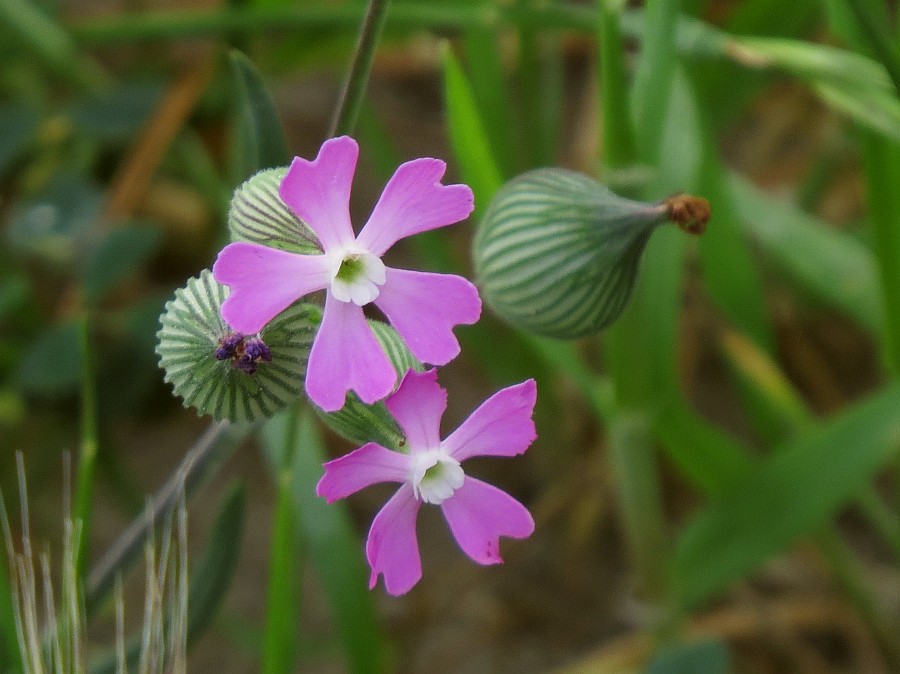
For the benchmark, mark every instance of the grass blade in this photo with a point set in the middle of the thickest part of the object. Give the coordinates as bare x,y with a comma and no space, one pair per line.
327,533
830,266
468,136
762,514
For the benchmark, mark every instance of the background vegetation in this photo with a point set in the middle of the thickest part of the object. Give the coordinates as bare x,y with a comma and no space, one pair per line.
716,479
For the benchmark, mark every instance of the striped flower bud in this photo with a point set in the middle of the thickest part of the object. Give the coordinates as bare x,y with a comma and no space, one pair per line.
557,253
227,374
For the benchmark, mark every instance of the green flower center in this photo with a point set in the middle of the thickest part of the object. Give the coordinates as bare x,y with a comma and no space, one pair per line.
351,268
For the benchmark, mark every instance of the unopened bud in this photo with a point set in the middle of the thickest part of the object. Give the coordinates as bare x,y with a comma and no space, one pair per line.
557,253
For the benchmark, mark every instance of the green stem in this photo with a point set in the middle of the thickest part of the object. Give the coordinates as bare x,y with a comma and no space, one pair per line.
87,457
347,112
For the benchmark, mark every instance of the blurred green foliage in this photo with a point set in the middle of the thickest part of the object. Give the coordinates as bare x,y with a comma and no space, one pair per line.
84,101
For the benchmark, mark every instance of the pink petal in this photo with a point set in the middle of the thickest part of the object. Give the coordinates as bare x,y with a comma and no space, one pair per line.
418,406
478,514
265,281
501,426
414,201
365,466
425,307
392,548
319,191
345,355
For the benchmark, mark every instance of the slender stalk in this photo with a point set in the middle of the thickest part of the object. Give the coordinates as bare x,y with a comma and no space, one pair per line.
347,112
87,458
200,462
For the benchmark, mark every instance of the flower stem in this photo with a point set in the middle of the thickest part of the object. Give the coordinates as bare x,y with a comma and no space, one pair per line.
347,112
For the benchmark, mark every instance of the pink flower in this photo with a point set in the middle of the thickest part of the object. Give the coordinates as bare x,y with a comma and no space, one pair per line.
478,514
422,307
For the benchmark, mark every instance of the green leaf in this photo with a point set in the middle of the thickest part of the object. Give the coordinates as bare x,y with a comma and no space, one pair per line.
791,494
19,123
708,457
467,135
116,114
833,267
328,533
212,573
708,657
121,252
259,139
52,364
54,224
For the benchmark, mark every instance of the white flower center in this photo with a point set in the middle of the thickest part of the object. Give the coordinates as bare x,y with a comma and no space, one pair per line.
435,475
357,275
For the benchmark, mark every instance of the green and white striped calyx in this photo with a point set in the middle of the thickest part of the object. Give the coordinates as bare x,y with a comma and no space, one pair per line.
360,423
557,253
225,374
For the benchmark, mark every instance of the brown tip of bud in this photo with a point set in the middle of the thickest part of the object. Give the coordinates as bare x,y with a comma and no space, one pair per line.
688,212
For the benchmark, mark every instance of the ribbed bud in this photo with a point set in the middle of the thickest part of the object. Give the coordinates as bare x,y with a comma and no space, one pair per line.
360,423
557,253
258,215
226,374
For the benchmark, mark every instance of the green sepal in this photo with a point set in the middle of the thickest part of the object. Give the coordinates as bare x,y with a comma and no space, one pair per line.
258,215
192,328
360,423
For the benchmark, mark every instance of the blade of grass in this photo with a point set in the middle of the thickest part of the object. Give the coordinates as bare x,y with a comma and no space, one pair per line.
619,148
327,533
87,456
729,271
539,79
282,597
762,514
831,266
489,90
10,660
468,137
653,76
640,349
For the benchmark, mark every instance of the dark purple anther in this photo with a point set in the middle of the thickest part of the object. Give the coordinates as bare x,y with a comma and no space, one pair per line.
228,345
257,350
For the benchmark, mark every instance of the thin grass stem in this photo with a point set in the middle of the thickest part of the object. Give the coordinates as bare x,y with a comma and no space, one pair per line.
347,112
